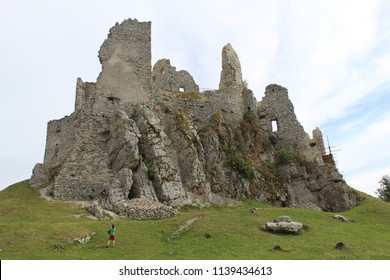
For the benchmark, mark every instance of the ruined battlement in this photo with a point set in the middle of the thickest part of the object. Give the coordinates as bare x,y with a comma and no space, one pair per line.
125,78
276,113
144,140
277,116
232,99
165,77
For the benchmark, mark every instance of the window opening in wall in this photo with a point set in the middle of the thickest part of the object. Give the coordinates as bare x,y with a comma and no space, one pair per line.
181,89
274,124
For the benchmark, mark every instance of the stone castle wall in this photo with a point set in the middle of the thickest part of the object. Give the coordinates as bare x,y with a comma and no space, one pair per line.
85,96
59,139
277,107
126,65
232,99
231,75
165,77
136,134
276,113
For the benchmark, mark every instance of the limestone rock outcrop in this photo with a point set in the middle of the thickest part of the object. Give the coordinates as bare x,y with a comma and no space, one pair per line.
141,143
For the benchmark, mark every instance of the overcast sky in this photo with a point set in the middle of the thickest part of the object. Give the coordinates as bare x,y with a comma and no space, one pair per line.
332,56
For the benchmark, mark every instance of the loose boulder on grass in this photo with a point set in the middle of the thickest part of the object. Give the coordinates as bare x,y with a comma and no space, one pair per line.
340,218
82,239
283,224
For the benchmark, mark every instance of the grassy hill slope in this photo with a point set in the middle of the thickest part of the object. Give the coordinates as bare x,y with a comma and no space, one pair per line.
31,226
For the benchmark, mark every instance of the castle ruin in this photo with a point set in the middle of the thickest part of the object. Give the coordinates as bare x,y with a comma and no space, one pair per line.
142,141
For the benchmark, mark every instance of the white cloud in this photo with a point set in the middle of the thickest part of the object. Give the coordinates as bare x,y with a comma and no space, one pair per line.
318,43
365,158
368,146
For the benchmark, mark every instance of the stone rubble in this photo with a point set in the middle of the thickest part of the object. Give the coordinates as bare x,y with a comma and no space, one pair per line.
82,239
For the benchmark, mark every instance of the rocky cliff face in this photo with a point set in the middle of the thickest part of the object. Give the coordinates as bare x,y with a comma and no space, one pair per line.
142,142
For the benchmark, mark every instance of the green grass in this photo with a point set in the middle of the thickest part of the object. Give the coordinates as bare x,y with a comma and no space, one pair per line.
287,156
30,227
191,95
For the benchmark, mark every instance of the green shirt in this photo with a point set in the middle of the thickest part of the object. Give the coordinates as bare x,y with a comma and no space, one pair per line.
112,230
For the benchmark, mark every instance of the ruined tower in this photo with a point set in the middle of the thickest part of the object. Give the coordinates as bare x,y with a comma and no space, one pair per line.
125,57
231,75
276,113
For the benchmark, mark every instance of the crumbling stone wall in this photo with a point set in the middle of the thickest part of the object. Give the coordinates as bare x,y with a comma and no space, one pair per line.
136,145
232,99
317,143
276,106
59,140
231,75
232,93
126,65
165,76
85,96
212,102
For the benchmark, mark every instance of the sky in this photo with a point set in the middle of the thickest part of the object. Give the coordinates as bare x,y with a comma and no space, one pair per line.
332,56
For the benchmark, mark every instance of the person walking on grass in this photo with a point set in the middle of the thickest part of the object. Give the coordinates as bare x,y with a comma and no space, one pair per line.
111,238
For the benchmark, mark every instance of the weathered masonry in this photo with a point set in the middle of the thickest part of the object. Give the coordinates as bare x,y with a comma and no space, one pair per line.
142,141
